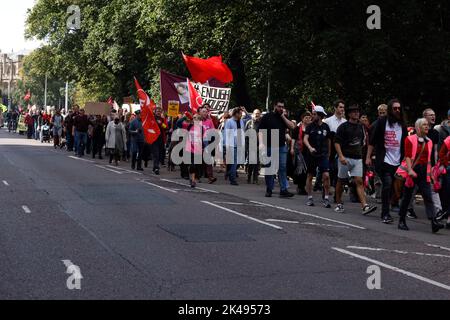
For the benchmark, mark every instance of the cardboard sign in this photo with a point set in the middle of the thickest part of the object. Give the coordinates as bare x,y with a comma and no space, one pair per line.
173,108
97,108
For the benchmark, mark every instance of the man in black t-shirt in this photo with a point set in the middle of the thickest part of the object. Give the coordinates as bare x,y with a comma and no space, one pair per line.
276,121
317,140
349,141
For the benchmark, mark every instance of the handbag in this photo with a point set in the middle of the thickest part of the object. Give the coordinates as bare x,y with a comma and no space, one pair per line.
398,176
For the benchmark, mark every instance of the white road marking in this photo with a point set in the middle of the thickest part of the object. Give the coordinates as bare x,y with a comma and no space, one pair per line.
104,168
157,186
187,185
439,247
238,204
26,209
324,225
123,169
6,183
407,273
81,159
282,221
243,215
399,251
309,215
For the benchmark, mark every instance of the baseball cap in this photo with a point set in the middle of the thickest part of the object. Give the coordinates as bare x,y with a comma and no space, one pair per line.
319,109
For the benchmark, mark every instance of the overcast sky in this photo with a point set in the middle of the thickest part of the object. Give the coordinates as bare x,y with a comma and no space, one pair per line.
12,26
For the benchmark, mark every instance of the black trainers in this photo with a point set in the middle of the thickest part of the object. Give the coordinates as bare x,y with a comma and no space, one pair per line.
268,194
411,214
387,219
440,215
368,209
286,194
156,171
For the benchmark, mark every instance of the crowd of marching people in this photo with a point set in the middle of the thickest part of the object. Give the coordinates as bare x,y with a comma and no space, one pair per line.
384,160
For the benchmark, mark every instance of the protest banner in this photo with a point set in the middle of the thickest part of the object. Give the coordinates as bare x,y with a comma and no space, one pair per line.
97,108
175,88
173,108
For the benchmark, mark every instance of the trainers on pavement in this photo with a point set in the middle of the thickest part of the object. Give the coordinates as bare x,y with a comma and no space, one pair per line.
368,209
326,203
339,208
310,203
387,219
286,194
411,214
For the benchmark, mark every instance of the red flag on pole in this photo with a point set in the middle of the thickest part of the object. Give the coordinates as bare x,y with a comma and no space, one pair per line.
204,69
313,106
111,101
149,124
27,96
195,100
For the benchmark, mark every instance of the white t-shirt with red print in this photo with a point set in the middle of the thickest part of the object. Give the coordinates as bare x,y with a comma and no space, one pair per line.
393,142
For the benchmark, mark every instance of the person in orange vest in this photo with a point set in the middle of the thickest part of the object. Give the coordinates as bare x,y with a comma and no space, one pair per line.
444,158
416,170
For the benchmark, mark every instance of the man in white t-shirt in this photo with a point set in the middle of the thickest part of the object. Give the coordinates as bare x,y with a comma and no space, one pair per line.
387,139
334,122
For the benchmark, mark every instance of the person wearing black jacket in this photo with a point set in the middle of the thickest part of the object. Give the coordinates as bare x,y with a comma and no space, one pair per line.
388,139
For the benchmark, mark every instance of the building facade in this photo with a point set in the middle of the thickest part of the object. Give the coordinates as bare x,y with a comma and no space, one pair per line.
10,65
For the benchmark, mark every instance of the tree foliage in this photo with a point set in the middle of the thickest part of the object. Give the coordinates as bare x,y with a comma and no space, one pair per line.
309,50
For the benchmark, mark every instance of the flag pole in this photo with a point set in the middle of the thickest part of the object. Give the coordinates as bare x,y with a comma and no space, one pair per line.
66,104
268,92
45,93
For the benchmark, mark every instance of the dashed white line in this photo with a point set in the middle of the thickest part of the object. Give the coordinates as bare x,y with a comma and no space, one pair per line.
282,221
239,204
125,170
439,247
157,186
5,183
104,168
243,215
324,225
186,185
309,215
407,273
398,251
26,209
81,159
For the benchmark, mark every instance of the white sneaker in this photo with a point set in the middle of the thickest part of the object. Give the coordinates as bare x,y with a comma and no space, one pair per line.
339,208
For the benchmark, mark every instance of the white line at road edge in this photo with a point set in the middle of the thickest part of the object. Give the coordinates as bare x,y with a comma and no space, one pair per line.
398,251
282,221
104,168
26,209
243,215
309,215
384,265
155,185
5,183
81,159
186,185
439,247
126,170
238,204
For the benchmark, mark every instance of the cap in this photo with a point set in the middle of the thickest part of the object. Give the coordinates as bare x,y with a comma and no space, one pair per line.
319,109
353,108
137,112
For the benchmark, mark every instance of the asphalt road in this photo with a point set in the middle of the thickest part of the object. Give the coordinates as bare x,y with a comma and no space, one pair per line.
141,236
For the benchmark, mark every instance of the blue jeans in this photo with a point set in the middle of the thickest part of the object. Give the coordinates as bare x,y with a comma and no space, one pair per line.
282,170
75,141
81,138
233,167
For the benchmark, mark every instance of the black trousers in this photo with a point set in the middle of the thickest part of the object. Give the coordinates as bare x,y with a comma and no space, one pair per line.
386,174
136,156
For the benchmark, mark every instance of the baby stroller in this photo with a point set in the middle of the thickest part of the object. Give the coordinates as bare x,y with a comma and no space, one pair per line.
45,133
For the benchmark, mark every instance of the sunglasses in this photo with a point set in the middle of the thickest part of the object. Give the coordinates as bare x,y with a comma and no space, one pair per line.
396,108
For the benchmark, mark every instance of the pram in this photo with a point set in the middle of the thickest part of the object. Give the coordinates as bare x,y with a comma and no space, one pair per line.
45,133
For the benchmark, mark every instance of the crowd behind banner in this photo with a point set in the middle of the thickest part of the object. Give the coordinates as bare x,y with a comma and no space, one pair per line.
385,160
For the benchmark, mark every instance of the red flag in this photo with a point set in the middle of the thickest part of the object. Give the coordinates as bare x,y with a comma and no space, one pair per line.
313,106
204,69
195,100
27,96
111,101
149,124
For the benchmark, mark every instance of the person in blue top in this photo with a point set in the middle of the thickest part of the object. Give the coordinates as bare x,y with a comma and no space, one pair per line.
137,142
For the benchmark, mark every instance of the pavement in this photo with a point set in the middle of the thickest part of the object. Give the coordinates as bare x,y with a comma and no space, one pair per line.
136,235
